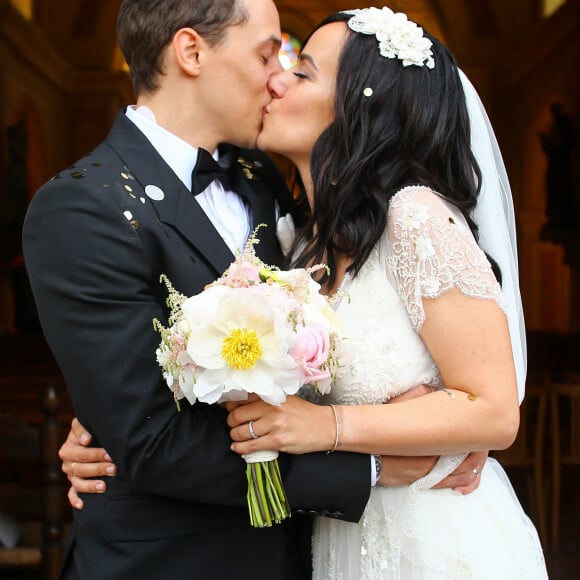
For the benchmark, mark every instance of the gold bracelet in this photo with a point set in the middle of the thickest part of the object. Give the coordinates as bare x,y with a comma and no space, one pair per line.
336,424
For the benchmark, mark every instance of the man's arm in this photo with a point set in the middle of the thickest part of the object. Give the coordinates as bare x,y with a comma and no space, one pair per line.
96,286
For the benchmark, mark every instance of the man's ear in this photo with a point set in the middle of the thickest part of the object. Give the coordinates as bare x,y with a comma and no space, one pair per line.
189,49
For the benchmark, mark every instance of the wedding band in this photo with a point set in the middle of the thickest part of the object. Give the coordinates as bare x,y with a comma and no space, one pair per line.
252,432
475,472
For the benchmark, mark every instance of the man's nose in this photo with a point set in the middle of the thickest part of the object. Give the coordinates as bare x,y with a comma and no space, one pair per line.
277,85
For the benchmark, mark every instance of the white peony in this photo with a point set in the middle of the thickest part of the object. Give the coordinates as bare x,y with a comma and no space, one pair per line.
242,343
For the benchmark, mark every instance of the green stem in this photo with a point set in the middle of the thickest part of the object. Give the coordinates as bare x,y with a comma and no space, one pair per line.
266,498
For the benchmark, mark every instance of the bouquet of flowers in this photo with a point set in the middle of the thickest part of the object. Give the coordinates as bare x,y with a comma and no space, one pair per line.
256,329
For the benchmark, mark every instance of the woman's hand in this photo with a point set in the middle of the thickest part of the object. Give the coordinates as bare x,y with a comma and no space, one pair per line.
80,462
296,426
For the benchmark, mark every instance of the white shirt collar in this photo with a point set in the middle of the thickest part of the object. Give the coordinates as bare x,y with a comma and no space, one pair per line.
225,209
177,153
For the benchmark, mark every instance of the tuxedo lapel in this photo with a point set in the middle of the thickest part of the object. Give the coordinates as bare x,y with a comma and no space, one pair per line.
249,184
174,203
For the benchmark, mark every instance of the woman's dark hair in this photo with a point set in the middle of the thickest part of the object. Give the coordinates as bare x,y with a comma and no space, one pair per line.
146,27
413,130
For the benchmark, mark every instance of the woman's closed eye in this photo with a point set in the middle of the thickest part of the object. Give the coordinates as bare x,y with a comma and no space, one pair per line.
300,74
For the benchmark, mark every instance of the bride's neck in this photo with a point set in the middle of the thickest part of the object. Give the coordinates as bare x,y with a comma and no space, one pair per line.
306,176
342,261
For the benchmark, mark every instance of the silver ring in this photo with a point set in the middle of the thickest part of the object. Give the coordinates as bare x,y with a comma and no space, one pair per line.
475,472
252,432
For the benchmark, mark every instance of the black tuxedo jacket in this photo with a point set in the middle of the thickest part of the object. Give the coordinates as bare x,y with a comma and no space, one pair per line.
96,239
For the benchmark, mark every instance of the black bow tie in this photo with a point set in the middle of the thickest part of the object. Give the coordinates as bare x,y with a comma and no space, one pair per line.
207,169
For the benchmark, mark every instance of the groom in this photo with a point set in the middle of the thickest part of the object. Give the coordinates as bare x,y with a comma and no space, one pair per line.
96,239
98,236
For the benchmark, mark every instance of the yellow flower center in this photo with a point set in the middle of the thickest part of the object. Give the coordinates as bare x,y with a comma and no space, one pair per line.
241,348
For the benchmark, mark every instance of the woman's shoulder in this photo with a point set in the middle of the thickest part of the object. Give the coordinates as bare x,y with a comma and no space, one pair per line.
419,195
419,206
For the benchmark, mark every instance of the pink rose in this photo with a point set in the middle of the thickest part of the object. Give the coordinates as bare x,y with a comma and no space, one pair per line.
311,351
241,275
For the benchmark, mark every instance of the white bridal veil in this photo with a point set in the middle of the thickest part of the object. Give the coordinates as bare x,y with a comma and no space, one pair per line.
494,215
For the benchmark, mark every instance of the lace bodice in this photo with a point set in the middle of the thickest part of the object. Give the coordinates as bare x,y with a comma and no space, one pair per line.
426,250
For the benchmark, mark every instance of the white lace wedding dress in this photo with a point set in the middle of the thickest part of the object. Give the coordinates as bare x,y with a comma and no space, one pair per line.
413,532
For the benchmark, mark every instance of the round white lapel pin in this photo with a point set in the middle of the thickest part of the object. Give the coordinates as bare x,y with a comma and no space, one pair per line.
155,193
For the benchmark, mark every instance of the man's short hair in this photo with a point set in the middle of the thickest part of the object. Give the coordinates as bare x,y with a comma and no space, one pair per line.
146,27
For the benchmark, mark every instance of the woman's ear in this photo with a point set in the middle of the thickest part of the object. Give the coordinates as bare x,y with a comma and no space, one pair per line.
189,50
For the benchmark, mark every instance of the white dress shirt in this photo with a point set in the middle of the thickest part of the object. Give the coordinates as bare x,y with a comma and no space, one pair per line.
225,209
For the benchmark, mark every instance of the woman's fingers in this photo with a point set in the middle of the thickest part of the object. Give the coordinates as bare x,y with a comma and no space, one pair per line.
89,469
79,485
75,501
70,454
82,436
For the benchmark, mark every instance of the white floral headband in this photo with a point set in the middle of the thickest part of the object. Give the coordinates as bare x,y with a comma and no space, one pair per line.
397,36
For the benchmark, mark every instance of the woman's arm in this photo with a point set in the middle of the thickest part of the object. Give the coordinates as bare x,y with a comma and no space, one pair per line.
82,463
453,301
469,341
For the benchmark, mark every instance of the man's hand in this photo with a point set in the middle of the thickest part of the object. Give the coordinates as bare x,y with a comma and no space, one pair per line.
80,462
399,470
467,476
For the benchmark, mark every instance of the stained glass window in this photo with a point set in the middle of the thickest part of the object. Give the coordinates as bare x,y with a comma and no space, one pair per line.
289,50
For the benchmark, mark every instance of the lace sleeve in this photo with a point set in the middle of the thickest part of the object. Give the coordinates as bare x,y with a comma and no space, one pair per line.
430,249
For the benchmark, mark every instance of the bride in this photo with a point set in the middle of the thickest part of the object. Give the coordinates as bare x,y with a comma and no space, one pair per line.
381,125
